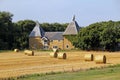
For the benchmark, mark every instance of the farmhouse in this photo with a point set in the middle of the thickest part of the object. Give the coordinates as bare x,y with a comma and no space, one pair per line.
39,39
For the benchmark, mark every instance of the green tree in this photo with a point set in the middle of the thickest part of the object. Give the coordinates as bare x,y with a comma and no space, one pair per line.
6,30
89,37
53,27
100,36
110,37
24,27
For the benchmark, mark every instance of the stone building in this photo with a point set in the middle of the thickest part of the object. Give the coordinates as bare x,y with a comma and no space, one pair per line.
39,39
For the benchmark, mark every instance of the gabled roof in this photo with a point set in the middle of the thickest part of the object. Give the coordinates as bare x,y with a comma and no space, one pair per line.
37,31
54,35
72,28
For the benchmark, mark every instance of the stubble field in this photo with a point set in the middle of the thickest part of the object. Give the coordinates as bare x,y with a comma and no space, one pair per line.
16,64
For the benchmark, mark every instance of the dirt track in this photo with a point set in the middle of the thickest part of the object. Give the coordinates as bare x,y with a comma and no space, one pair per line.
16,64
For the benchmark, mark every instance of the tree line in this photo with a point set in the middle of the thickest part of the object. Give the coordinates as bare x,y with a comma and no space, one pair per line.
97,36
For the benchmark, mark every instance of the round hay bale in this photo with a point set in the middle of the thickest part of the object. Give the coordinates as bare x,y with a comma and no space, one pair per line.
88,57
62,56
25,51
16,50
55,50
29,52
53,54
100,59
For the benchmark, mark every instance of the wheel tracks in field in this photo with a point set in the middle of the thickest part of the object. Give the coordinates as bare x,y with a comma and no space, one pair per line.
47,66
21,61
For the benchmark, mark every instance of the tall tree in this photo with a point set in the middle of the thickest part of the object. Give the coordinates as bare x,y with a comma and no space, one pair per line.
101,36
5,30
110,36
25,27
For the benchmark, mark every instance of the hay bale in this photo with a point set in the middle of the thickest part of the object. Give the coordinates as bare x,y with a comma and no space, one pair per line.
55,50
88,57
62,56
16,50
53,54
29,52
25,51
100,59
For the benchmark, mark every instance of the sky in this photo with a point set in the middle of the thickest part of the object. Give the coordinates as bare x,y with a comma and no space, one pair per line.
62,11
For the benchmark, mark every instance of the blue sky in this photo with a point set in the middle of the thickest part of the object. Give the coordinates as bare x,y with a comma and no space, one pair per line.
62,11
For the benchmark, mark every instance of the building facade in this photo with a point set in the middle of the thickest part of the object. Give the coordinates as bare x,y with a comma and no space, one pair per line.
39,39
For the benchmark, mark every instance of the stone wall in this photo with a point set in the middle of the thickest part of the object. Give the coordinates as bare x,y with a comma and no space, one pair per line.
58,43
67,44
35,43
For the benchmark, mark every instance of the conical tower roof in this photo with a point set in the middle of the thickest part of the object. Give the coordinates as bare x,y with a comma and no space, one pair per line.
72,28
37,31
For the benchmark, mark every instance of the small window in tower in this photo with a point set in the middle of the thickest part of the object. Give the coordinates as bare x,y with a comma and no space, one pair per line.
67,46
58,40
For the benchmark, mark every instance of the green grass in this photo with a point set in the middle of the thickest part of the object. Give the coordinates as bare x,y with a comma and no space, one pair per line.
39,50
109,73
73,50
1,51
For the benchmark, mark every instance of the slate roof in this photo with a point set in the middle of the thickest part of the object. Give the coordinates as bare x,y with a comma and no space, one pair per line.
54,35
37,31
72,28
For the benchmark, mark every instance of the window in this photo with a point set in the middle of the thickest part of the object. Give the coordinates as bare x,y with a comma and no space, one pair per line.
58,40
51,40
46,47
55,46
67,46
45,40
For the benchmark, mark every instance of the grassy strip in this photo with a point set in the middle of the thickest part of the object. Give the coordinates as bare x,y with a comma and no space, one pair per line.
91,74
59,50
103,73
1,51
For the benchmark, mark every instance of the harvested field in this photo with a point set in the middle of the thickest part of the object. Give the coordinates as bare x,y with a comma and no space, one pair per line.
12,65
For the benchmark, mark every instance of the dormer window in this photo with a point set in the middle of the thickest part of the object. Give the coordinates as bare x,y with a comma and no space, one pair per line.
45,41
